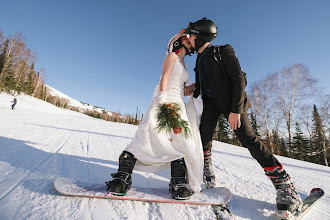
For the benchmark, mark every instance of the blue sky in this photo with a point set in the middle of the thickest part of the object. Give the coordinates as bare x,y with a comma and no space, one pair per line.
109,53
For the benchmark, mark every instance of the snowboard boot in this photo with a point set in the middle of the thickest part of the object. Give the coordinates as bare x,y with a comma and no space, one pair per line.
178,185
208,173
122,180
287,198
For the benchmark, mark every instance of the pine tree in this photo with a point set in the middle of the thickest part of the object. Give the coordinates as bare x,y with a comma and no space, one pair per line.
283,148
7,80
299,145
254,124
136,116
319,140
276,142
3,57
222,130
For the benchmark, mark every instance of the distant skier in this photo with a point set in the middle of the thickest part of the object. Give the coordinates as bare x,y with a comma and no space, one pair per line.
14,104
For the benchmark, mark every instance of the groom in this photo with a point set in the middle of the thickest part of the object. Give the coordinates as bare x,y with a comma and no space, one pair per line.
221,83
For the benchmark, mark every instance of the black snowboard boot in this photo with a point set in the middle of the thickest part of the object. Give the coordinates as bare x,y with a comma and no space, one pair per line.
287,197
122,180
208,173
178,185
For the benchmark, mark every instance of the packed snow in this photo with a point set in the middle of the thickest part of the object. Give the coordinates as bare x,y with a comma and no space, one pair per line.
40,142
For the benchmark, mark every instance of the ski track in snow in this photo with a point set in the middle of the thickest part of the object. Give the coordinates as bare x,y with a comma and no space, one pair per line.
39,142
34,169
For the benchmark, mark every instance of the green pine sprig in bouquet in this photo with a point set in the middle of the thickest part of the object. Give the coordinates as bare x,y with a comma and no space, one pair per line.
169,120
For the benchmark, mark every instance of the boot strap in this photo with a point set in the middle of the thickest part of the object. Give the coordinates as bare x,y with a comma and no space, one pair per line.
121,176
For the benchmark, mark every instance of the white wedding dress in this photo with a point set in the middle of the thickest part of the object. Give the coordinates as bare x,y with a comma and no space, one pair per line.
155,151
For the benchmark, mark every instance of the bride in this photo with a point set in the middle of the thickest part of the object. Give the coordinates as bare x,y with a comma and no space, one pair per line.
153,151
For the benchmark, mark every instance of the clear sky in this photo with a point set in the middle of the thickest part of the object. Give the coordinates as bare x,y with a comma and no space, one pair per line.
109,53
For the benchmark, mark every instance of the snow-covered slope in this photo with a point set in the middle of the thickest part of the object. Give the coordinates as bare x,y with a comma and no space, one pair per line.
39,142
74,103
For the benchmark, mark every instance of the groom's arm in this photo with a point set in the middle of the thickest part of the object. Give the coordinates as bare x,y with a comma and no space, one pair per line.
237,79
197,85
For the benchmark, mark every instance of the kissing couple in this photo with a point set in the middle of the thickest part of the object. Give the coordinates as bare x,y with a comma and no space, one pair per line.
170,135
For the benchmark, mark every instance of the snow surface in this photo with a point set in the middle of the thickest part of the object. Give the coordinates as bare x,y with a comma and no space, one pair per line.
40,142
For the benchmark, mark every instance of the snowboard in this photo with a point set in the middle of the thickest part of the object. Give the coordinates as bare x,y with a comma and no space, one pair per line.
308,203
217,196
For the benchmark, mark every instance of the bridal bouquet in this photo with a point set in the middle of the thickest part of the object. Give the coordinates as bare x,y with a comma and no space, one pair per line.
168,119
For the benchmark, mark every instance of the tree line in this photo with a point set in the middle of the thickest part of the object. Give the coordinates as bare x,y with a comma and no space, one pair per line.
18,75
288,114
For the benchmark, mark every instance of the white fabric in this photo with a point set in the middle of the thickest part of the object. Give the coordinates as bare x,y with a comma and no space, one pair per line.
154,151
198,102
161,99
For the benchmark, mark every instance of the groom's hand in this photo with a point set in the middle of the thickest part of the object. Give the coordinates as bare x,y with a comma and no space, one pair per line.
187,91
234,120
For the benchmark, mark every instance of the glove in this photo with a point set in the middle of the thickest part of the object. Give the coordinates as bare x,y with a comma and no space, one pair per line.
161,99
196,93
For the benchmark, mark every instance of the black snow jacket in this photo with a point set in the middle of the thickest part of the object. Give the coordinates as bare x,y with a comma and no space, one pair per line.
226,80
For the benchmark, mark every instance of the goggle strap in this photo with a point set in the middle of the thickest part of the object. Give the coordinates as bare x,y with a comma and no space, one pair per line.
177,36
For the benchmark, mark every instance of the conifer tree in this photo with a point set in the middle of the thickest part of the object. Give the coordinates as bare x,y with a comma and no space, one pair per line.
319,138
222,130
254,124
276,142
299,145
3,57
283,149
7,80
136,116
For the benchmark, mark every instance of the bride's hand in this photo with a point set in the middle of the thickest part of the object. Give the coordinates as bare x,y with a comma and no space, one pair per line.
161,99
187,91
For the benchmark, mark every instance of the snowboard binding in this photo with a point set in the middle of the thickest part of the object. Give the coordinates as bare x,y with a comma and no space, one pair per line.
120,184
122,180
179,189
178,186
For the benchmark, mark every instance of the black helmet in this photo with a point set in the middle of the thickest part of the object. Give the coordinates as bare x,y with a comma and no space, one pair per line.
204,29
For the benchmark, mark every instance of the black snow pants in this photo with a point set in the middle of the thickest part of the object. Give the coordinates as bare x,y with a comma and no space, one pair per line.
212,110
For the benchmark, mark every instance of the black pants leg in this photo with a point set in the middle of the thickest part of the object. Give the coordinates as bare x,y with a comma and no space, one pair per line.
211,113
209,120
248,139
